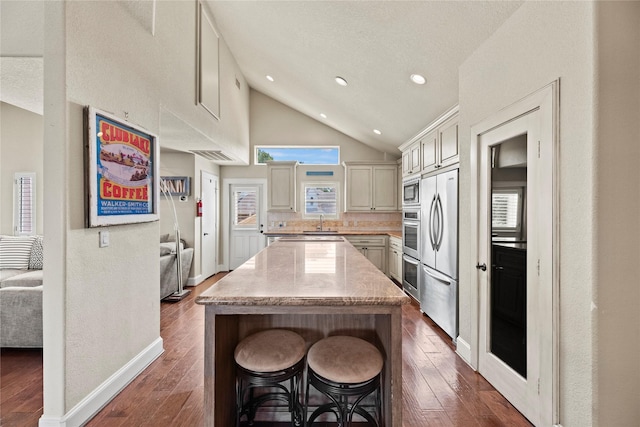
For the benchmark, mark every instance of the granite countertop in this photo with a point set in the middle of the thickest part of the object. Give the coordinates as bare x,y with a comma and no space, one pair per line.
394,233
306,271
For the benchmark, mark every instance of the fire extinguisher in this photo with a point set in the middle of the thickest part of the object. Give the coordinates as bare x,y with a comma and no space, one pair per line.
199,207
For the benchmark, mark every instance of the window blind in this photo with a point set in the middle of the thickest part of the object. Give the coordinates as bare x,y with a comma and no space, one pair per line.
504,210
24,204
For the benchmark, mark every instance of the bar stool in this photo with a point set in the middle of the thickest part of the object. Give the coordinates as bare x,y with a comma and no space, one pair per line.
346,370
265,360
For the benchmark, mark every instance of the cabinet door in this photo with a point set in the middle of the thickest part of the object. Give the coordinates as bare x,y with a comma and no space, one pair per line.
377,256
449,153
394,258
406,162
281,188
415,157
430,151
359,188
385,188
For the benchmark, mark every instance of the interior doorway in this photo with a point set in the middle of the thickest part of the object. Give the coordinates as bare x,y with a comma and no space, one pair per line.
516,288
209,225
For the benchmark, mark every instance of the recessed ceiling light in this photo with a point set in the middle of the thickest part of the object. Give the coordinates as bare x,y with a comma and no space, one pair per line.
341,81
377,132
418,79
270,78
323,115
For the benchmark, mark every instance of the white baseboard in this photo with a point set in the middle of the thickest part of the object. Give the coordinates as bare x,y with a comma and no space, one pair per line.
101,396
194,281
464,350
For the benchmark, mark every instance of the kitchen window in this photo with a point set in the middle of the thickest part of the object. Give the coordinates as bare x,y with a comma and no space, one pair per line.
305,155
320,199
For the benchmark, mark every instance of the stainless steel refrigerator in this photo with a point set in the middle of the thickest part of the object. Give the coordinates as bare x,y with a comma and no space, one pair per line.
439,250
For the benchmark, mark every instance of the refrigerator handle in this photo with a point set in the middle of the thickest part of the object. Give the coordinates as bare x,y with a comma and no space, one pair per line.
440,222
438,277
432,212
410,260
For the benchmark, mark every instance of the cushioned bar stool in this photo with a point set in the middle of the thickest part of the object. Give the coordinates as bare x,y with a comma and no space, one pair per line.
268,359
346,370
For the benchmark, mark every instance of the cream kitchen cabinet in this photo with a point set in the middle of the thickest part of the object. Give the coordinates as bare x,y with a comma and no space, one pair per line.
395,258
281,186
371,187
411,159
436,146
372,247
440,147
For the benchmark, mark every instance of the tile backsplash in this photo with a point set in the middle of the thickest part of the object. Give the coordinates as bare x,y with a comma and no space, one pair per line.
348,221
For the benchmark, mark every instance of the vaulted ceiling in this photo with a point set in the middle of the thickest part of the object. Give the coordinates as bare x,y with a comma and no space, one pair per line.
304,45
374,45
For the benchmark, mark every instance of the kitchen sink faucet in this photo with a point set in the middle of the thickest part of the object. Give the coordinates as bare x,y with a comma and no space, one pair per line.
319,227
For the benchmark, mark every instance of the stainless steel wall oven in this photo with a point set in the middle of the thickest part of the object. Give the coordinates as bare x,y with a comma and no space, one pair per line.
411,251
411,232
411,276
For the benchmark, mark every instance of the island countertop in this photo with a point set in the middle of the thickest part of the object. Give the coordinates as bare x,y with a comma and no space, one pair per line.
306,271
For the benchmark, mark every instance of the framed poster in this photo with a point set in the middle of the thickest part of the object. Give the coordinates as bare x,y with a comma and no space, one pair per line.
122,171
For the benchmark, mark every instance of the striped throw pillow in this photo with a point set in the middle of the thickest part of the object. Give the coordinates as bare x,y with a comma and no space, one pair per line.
15,251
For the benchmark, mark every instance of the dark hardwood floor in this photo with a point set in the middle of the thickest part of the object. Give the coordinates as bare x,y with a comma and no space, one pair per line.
439,389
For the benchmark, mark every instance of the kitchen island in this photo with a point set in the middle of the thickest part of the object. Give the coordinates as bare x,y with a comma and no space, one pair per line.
316,286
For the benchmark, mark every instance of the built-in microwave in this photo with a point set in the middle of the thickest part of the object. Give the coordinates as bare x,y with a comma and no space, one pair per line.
411,192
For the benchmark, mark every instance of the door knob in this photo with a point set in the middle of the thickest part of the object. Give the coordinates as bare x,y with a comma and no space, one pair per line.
482,267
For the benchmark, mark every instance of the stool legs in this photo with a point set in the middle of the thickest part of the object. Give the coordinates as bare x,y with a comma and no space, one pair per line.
340,406
247,381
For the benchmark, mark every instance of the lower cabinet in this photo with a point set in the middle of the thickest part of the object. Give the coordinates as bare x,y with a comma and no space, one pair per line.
372,247
395,259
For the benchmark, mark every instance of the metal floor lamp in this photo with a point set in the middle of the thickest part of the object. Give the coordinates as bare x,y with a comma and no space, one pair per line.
181,292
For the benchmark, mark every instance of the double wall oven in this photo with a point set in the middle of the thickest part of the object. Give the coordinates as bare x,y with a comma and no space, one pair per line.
411,237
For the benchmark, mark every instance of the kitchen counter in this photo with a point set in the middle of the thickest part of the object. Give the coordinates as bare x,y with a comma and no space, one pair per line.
316,287
394,233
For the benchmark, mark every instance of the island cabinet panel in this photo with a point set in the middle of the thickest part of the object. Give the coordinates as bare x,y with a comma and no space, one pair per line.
283,287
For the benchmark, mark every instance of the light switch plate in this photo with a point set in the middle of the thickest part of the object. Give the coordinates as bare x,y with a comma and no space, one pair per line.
104,238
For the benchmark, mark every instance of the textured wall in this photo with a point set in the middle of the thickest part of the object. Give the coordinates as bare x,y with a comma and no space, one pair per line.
617,239
541,42
102,305
21,133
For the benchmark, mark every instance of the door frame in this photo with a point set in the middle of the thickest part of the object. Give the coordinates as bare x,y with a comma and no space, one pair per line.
226,217
546,100
216,180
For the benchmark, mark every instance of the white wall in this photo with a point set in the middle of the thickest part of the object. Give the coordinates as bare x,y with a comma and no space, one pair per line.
617,202
541,42
273,123
101,305
20,151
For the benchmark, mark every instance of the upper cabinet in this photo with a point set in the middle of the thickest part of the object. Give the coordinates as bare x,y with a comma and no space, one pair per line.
281,186
447,152
371,186
411,159
436,146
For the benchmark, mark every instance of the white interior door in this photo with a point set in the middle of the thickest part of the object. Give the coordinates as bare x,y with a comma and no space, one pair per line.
526,379
209,225
246,223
